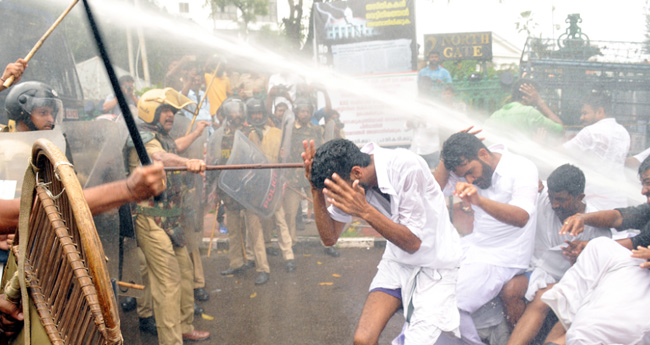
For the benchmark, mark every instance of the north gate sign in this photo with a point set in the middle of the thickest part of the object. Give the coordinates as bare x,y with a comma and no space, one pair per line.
460,46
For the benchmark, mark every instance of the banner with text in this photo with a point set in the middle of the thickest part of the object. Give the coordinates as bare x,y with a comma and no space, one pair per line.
366,36
460,46
368,120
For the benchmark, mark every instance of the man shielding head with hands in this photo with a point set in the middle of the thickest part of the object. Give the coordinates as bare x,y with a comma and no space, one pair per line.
394,191
501,188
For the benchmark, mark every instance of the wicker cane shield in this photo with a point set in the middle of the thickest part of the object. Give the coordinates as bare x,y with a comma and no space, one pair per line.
61,264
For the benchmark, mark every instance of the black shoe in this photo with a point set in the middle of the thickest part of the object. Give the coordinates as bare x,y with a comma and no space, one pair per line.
128,304
291,265
233,270
197,310
331,251
262,278
148,325
201,295
272,251
249,264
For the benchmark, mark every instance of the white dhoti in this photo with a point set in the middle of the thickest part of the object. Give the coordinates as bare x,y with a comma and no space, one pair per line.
604,298
428,298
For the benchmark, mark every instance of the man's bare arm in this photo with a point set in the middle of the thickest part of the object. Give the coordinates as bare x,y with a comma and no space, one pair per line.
575,224
352,200
143,183
184,142
329,230
509,214
9,210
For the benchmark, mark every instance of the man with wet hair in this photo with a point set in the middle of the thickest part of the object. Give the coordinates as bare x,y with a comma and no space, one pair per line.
561,199
527,112
602,147
603,297
501,188
633,217
394,192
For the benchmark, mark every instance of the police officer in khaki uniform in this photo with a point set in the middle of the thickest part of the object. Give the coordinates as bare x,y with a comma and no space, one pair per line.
158,223
268,139
233,111
296,181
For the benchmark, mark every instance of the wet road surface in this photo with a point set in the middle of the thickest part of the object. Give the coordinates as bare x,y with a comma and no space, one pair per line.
319,303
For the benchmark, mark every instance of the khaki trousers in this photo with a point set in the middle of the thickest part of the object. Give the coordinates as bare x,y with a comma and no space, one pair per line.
291,203
256,240
193,239
170,277
145,301
267,225
236,237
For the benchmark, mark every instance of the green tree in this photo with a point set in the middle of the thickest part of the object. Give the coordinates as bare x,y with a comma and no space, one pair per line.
293,24
249,10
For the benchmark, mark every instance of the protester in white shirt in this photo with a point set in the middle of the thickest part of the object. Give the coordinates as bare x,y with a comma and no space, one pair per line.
603,298
560,200
601,147
396,194
504,205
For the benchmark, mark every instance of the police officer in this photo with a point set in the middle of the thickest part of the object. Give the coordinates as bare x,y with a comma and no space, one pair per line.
268,138
233,110
32,106
158,223
302,130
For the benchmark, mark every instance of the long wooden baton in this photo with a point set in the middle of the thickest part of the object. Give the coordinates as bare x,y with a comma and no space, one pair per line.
214,227
130,285
301,194
198,107
38,45
245,166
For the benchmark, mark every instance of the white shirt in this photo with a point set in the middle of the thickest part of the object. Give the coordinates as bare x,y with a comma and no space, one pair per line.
641,156
204,112
514,182
603,146
416,202
548,242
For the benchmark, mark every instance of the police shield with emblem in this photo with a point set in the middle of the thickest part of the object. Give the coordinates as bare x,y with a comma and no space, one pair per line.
259,190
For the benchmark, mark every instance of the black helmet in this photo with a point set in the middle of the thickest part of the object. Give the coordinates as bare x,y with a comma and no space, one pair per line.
302,102
230,107
254,106
25,97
